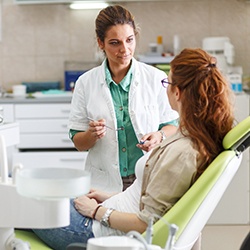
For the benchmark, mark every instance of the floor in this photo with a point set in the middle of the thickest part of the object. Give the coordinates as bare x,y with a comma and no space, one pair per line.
223,237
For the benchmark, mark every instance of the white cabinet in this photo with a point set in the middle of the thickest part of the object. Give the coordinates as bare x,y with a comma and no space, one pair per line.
39,159
43,125
8,112
234,206
10,133
44,140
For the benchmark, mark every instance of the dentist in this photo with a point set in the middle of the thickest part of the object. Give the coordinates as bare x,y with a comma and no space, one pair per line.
119,110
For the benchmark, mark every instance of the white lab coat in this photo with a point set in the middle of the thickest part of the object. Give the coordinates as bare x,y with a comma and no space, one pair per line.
148,107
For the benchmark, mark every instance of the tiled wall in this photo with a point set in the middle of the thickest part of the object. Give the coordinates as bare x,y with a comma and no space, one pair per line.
38,39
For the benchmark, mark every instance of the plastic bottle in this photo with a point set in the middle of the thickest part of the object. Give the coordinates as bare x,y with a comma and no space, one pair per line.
176,44
159,45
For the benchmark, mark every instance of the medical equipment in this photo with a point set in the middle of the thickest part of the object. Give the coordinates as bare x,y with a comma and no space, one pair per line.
204,195
44,198
193,210
222,49
132,241
93,120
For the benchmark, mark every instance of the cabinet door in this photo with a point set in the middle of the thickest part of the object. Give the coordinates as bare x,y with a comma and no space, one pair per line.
43,126
44,141
26,111
57,159
234,205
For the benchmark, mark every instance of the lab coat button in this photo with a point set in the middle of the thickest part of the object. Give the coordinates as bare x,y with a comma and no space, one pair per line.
125,169
121,108
124,149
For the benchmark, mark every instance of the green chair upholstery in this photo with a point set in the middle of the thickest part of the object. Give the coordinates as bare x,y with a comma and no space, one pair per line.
34,241
193,210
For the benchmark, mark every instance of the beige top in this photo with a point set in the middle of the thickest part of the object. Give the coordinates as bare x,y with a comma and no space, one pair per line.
167,176
168,173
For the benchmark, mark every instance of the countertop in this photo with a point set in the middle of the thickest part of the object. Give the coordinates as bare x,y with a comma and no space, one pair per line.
50,99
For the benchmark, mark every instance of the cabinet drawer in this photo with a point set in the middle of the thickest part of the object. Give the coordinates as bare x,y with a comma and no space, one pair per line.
43,126
25,111
56,159
35,141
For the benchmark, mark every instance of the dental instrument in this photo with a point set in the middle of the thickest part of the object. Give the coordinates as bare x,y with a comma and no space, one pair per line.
93,120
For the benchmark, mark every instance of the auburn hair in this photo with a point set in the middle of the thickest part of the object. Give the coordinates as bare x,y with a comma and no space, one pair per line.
206,97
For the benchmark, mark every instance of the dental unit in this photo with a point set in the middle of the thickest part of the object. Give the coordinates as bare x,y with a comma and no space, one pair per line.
39,198
34,198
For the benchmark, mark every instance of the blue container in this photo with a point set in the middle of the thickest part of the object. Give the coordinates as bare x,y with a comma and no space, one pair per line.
236,82
71,77
40,86
237,87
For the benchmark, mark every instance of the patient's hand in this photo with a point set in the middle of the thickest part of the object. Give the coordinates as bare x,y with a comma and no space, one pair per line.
85,205
99,195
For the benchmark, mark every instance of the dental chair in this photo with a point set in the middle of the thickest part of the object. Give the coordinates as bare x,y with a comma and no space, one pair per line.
193,210
191,213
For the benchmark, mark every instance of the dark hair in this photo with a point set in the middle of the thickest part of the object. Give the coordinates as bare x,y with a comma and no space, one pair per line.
207,111
110,16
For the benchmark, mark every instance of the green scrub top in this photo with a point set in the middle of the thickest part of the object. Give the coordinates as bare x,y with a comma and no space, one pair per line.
127,140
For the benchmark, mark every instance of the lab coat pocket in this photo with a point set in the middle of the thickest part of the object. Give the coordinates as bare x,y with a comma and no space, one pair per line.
99,178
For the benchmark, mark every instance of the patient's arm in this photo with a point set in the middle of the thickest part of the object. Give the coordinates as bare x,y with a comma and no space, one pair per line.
122,221
118,220
99,195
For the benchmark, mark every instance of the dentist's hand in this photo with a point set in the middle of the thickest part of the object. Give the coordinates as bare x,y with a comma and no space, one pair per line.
97,128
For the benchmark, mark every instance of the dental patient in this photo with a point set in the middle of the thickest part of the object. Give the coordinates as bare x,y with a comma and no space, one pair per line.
199,93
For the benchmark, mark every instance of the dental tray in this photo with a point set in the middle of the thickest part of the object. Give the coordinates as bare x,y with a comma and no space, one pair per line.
52,93
52,183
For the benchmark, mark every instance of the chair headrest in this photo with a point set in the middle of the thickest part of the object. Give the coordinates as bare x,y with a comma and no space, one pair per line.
238,137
